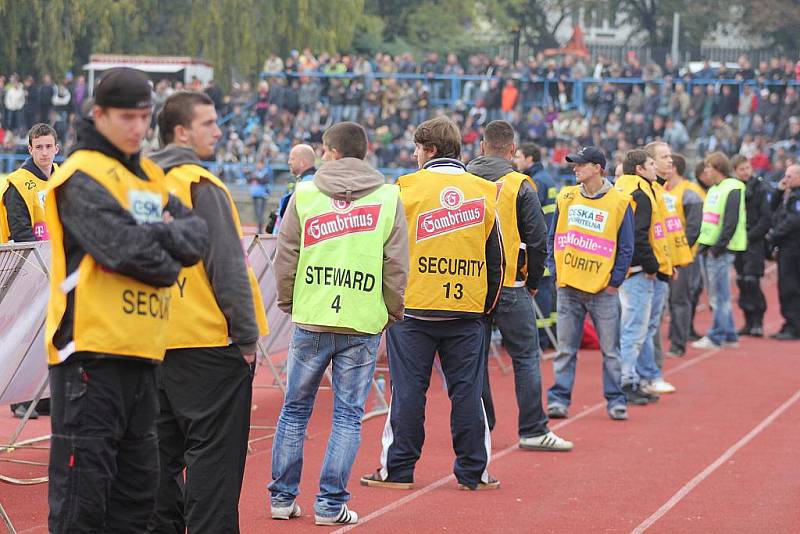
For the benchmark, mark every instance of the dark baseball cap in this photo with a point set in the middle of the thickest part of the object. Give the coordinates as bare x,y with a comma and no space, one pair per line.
588,154
125,88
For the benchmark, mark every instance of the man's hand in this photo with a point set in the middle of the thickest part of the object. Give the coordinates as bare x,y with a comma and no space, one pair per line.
611,290
249,358
166,216
650,276
532,292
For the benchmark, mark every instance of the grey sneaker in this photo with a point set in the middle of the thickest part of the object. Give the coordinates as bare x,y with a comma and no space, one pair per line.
546,442
618,413
556,411
285,512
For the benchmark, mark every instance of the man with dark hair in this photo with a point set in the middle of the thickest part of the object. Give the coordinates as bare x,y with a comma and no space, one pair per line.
723,232
341,269
783,237
22,210
216,319
650,258
749,264
525,244
528,160
119,241
456,277
684,199
22,206
589,256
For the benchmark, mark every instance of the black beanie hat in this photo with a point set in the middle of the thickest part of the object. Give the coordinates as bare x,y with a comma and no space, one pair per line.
125,88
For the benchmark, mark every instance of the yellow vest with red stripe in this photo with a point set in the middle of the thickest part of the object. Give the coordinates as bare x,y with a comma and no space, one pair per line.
585,241
627,184
674,222
113,313
508,190
449,220
196,319
32,190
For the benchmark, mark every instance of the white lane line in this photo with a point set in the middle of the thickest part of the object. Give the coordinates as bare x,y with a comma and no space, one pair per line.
705,473
505,452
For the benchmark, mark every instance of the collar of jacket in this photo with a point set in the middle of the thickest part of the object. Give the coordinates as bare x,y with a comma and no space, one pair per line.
443,164
90,139
533,169
31,167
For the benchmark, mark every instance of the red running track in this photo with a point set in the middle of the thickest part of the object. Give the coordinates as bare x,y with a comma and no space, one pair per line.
720,455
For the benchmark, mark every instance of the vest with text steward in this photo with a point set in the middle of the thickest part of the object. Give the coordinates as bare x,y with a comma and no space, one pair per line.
196,319
113,313
714,215
339,280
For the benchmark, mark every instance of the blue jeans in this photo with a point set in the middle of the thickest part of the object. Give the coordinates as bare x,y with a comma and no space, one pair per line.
353,365
719,297
636,299
646,366
603,308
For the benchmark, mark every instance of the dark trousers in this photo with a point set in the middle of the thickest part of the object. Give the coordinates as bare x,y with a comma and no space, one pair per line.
749,270
103,451
205,396
789,288
412,345
516,320
681,304
697,289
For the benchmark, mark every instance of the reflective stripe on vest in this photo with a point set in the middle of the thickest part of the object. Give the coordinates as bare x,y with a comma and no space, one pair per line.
339,280
585,242
113,313
449,219
196,319
714,215
627,184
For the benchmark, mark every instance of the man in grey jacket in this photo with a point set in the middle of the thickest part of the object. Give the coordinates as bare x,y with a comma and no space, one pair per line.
689,278
514,315
341,269
205,381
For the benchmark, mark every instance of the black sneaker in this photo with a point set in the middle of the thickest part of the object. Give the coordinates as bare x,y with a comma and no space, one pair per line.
694,336
638,397
746,330
556,411
757,331
785,335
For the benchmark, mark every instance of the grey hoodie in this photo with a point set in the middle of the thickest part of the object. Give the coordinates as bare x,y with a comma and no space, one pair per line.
224,262
348,179
530,220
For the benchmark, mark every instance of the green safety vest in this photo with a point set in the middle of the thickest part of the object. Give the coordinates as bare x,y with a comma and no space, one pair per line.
339,279
714,215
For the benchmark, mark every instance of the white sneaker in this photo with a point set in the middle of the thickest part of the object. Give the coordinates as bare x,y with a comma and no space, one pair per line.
705,343
658,386
345,517
285,512
547,442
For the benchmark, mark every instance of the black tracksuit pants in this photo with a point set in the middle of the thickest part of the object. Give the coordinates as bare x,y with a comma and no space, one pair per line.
103,451
789,288
749,266
203,426
412,345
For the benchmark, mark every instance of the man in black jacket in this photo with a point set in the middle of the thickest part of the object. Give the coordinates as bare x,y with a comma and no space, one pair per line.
525,240
783,237
119,241
750,263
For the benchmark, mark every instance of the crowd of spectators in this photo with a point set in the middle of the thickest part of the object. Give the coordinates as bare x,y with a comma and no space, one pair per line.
559,103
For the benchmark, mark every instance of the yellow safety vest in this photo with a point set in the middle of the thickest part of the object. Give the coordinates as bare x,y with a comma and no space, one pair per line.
674,221
449,220
32,190
196,319
677,192
113,313
585,241
508,190
627,184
